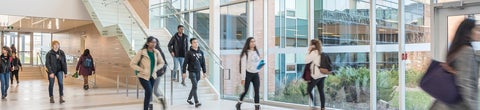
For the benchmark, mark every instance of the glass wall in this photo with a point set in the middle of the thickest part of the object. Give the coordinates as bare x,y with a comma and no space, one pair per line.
291,30
343,27
417,33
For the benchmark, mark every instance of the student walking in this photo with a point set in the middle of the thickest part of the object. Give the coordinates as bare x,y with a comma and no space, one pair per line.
85,67
16,65
5,68
463,62
56,64
195,61
147,61
178,47
320,66
250,59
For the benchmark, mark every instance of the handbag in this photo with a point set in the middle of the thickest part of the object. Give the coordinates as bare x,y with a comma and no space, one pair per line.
440,84
307,73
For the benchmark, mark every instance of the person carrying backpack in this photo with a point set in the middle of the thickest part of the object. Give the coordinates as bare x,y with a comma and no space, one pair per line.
85,67
320,67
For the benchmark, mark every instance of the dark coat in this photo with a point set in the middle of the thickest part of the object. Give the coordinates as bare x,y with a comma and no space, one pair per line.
5,64
195,61
53,66
174,45
82,70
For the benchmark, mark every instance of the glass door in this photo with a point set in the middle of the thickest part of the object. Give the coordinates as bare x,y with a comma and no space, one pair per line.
24,49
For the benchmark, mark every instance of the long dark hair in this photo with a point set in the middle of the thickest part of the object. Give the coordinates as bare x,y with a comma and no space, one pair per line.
462,37
246,47
149,39
8,51
86,52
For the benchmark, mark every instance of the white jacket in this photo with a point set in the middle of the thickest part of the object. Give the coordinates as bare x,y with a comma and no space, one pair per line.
314,58
249,64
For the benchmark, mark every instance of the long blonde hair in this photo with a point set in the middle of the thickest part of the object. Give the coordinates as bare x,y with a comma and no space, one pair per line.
318,46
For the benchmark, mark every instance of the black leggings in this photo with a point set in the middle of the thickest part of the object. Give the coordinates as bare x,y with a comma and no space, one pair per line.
14,73
320,84
252,77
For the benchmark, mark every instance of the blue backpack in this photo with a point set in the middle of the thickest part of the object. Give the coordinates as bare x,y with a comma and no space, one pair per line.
87,63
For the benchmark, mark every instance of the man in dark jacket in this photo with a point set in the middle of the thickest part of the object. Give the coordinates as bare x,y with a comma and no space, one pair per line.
178,46
195,61
56,64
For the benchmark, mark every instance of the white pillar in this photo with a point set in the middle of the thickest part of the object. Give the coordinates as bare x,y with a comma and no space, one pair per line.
311,22
265,49
214,69
401,51
250,18
190,16
373,56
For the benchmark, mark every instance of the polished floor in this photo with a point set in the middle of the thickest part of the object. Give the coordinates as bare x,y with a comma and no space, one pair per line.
32,94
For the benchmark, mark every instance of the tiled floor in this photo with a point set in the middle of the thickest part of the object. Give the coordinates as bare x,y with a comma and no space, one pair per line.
32,94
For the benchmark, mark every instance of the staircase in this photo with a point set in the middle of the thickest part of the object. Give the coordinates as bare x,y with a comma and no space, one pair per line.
30,72
113,19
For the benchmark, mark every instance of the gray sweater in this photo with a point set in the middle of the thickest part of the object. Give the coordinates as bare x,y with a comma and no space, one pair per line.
466,63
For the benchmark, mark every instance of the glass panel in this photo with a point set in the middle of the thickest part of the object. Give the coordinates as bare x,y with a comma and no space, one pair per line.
291,29
233,22
200,3
201,24
343,28
417,16
291,23
24,50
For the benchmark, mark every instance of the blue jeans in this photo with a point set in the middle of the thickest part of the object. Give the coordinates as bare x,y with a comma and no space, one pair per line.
51,81
4,78
148,86
177,65
193,91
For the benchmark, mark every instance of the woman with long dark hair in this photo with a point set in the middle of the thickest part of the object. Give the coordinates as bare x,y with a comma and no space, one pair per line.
464,64
5,68
147,61
249,60
85,67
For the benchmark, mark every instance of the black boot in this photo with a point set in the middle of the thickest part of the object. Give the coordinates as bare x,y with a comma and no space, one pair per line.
189,102
198,104
257,107
150,107
238,105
